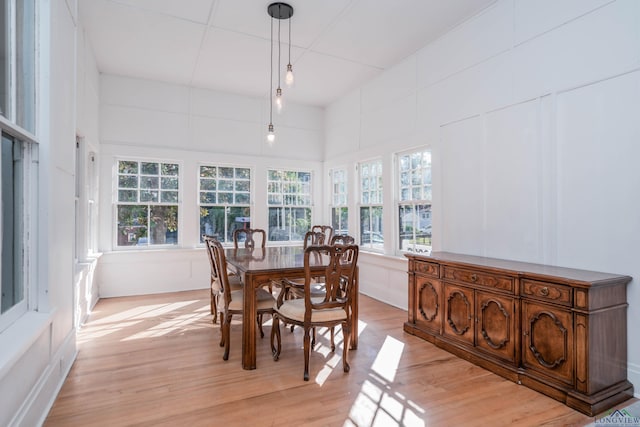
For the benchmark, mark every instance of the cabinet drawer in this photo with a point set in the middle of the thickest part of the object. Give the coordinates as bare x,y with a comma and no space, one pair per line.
480,278
428,268
545,291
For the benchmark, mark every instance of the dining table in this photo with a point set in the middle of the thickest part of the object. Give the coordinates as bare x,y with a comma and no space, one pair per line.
260,267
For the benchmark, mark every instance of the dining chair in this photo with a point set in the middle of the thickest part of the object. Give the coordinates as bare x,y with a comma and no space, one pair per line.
313,238
250,235
342,239
231,302
327,230
332,309
234,281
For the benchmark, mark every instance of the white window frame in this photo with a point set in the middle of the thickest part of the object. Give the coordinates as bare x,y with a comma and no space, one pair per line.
288,206
228,238
117,203
372,198
22,98
414,191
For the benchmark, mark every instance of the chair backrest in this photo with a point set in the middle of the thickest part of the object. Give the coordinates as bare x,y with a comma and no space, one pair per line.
209,242
326,229
342,239
339,264
313,238
220,263
249,235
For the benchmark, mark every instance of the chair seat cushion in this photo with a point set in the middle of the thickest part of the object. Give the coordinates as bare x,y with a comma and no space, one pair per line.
294,310
264,300
234,284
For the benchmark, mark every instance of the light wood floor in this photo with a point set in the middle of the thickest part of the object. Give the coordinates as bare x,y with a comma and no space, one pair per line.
155,361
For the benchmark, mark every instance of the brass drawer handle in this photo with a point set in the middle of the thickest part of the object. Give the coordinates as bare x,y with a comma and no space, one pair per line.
474,278
544,291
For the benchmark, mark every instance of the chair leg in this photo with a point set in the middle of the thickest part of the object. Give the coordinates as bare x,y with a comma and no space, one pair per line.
260,325
214,307
333,344
275,333
313,339
307,351
227,336
346,332
221,329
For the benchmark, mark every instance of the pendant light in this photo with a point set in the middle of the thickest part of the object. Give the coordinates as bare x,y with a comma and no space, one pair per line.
278,11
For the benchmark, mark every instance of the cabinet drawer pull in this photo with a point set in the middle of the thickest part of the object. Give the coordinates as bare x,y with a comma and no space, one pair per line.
544,291
474,277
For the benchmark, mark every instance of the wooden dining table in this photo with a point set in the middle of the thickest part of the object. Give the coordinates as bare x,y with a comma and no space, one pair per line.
259,267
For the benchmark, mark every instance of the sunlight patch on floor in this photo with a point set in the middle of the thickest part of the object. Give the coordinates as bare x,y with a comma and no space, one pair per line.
378,404
144,312
176,324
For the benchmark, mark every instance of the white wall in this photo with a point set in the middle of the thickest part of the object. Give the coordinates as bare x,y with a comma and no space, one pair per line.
531,110
38,350
142,119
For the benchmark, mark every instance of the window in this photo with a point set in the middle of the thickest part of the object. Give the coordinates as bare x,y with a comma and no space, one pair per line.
289,201
18,155
414,207
224,198
17,62
371,205
147,203
339,209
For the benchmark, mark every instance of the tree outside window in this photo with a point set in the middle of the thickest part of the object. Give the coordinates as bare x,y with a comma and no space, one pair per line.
147,203
224,198
414,207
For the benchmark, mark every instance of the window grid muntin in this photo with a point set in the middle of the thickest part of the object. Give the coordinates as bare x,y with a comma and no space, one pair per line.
147,182
289,188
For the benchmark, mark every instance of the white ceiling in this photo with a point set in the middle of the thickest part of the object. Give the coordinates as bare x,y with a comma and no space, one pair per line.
337,45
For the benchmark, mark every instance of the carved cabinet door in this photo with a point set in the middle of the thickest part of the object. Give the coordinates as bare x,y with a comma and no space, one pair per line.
428,313
548,340
459,313
495,328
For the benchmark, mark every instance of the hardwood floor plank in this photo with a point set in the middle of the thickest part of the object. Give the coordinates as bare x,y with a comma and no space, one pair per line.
155,360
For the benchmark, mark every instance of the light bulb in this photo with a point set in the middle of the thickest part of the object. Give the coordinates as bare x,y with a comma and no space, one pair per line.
271,136
288,78
279,100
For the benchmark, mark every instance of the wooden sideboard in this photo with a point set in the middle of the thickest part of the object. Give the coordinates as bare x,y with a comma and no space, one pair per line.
560,331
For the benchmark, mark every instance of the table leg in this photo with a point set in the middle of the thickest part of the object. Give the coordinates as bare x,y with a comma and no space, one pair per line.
354,312
249,323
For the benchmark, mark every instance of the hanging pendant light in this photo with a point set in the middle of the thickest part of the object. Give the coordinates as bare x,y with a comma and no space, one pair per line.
278,11
288,77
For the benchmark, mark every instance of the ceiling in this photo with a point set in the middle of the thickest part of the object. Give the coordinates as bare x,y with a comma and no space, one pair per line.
337,45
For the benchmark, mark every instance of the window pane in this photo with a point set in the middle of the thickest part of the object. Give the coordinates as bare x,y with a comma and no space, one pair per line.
237,218
149,182
208,171
225,172
207,198
132,225
148,196
242,199
169,183
339,220
169,197
212,222
208,184
128,181
164,225
128,167
12,220
170,169
127,196
149,168
288,223
243,173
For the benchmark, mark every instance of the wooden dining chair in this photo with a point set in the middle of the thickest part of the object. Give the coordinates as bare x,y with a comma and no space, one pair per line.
342,239
231,302
234,281
313,238
327,230
248,236
333,309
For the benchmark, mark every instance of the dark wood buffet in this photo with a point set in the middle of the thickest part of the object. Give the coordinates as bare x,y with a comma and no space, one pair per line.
560,331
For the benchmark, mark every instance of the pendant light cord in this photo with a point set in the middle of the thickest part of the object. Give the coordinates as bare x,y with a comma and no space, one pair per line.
271,80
